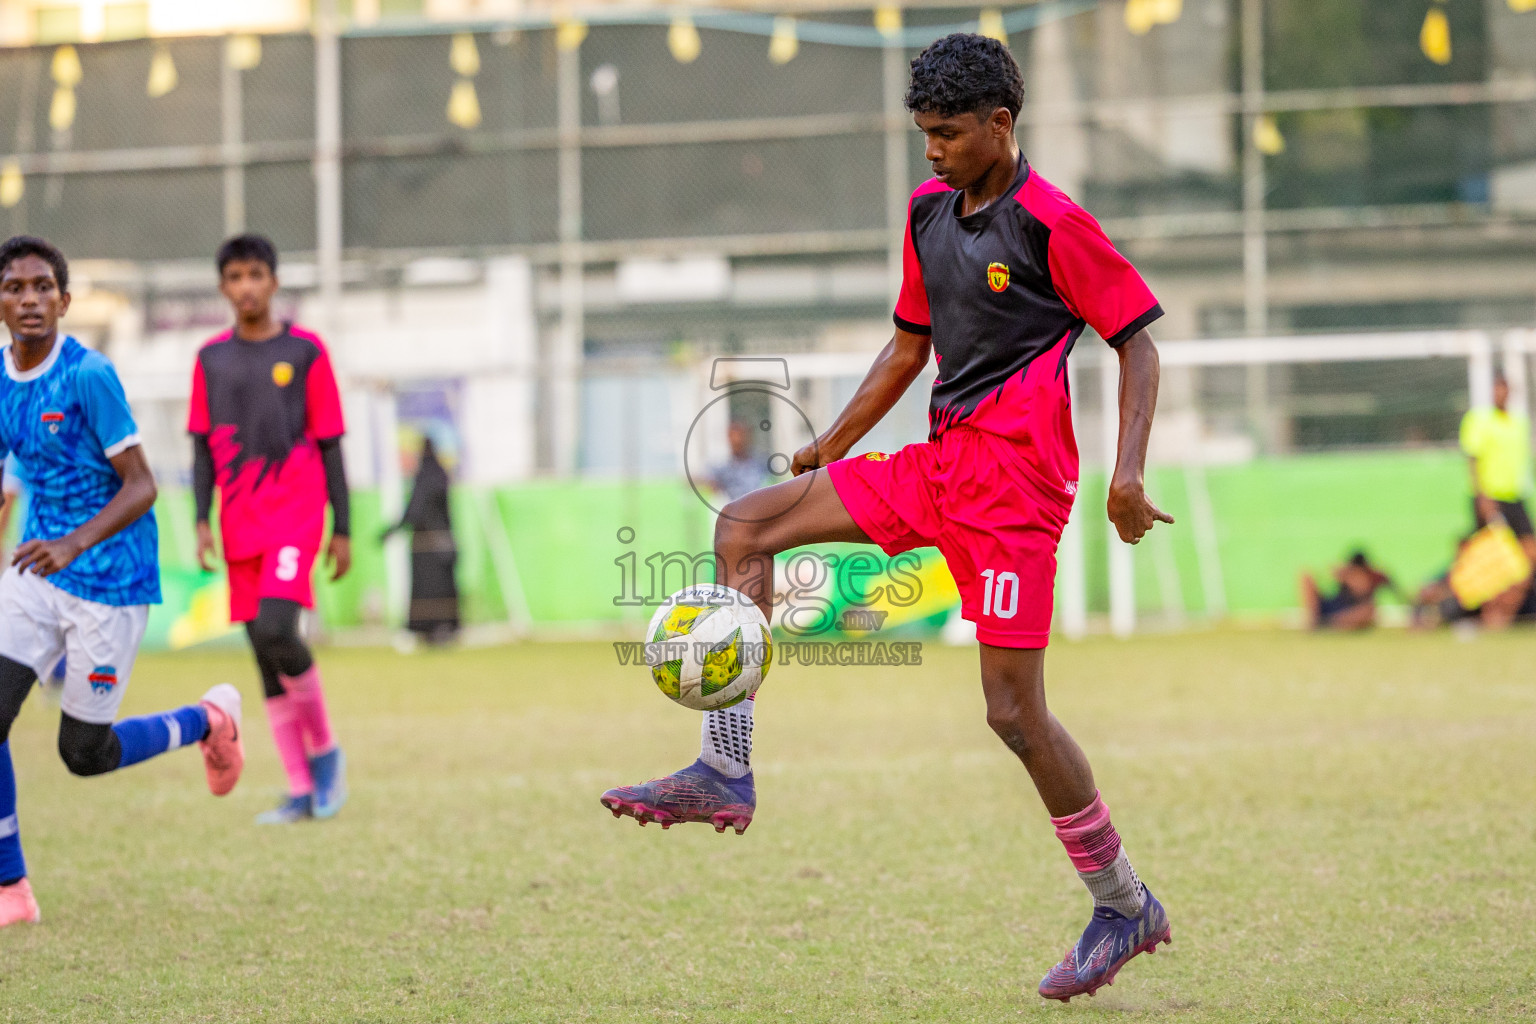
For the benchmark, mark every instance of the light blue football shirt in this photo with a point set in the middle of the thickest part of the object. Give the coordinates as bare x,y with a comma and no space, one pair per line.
64,420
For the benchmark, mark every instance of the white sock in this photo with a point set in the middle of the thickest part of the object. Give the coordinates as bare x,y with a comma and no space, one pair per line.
725,740
1116,886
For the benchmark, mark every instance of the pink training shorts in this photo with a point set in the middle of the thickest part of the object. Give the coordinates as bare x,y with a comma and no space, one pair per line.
285,572
970,495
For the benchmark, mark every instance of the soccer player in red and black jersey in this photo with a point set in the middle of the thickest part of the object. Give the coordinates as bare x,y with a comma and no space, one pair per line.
1002,274
266,427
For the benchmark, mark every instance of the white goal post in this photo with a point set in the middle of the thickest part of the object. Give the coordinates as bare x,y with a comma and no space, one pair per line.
1481,350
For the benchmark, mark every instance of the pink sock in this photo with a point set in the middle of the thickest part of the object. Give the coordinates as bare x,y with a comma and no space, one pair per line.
289,737
1090,839
309,709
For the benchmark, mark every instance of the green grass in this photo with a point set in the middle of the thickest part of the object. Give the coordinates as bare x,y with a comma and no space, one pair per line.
1343,828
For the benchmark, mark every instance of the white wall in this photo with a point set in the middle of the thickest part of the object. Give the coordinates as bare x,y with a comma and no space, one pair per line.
480,334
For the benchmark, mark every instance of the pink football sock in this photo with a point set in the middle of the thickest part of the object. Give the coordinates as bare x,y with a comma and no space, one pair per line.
1094,846
1090,839
289,737
309,708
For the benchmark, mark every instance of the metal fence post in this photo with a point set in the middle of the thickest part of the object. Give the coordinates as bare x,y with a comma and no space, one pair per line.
232,103
328,198
1255,244
564,396
894,67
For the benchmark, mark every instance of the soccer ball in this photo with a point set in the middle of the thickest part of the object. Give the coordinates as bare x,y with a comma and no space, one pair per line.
708,647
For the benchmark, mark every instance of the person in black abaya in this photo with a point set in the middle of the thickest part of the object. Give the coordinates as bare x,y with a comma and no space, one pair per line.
434,591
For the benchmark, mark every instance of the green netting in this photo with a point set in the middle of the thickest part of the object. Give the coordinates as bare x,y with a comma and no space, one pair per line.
573,542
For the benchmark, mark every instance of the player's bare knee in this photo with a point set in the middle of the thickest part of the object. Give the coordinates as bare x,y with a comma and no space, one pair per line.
738,538
1022,727
1012,727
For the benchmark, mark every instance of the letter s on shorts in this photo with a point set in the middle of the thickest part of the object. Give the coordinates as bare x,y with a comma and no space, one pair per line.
288,564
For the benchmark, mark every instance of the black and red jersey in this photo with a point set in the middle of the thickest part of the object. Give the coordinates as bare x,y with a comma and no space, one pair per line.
264,406
1005,292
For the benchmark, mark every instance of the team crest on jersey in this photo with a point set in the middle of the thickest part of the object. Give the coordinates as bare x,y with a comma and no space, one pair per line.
877,456
54,420
102,679
282,374
997,276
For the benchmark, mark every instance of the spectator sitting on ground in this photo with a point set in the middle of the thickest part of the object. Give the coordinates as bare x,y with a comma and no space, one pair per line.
1438,605
1353,605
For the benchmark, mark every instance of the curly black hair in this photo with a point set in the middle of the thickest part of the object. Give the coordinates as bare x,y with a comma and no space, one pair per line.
965,73
26,245
247,247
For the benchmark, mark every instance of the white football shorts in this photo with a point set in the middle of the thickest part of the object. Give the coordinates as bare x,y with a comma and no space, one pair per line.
39,623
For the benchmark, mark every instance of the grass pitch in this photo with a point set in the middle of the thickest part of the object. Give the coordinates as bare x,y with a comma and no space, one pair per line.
1342,828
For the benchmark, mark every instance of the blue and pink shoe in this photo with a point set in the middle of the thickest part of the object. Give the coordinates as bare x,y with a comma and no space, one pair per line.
329,770
1110,941
697,793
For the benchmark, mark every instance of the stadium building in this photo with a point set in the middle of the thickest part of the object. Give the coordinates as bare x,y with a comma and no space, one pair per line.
535,245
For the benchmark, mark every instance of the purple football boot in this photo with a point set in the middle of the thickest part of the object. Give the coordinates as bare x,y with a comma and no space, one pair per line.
1108,944
697,793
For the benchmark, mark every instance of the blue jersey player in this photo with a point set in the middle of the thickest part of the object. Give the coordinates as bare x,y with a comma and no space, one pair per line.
83,577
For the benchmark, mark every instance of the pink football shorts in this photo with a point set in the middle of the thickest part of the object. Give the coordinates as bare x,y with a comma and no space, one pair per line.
970,495
285,572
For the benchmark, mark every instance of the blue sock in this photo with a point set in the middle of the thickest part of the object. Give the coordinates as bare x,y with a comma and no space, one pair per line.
143,738
12,865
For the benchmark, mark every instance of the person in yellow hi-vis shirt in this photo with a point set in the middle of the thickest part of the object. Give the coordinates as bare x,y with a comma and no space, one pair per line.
1498,444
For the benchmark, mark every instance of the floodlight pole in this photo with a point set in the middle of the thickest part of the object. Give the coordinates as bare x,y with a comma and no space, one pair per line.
328,200
232,98
1480,370
894,68
1517,345
1255,249
564,366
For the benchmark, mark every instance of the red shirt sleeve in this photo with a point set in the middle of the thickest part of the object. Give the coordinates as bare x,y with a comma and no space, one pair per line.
322,400
912,301
197,410
1097,283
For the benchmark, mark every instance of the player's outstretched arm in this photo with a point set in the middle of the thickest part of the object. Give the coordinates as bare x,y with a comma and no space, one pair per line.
895,368
1130,509
132,500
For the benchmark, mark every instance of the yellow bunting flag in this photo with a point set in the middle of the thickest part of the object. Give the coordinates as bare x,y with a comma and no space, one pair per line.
1141,15
464,105
61,112
12,185
1267,137
990,24
243,52
888,20
1166,12
162,74
1435,36
464,56
66,67
570,34
784,43
683,40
